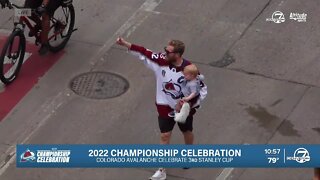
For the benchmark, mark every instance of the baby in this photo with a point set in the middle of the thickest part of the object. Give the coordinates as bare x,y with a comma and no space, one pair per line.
190,88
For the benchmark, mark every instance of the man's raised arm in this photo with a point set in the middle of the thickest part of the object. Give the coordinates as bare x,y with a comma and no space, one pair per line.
132,47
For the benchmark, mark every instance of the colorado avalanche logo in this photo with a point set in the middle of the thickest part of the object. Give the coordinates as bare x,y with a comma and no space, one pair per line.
27,156
172,89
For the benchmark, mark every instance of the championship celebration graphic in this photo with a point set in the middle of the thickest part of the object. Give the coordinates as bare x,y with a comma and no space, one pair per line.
46,156
178,156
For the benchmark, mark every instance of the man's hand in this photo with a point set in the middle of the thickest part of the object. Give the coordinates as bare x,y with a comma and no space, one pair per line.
181,102
4,3
185,99
122,42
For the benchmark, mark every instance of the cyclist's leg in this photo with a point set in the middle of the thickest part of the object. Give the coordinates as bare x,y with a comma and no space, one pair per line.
44,49
45,28
52,6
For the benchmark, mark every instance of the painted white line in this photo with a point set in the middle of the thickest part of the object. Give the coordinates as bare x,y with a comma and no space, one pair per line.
225,173
130,25
134,27
12,149
150,5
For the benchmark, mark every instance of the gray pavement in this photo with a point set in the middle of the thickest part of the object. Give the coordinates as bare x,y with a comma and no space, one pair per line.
270,94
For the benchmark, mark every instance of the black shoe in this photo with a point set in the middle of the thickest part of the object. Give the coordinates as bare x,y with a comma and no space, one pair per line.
185,168
44,49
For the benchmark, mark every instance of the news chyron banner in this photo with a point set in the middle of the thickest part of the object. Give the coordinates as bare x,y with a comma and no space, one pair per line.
174,156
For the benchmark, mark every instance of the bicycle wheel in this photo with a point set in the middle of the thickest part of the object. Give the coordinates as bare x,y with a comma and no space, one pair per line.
12,56
62,24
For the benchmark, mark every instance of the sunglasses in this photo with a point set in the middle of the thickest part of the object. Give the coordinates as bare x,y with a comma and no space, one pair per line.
167,52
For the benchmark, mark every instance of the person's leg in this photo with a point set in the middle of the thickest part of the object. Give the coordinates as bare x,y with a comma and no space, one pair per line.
165,138
186,128
52,6
45,28
166,125
316,174
44,34
188,137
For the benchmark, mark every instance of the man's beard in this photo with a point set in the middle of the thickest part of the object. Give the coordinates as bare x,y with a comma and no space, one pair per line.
171,60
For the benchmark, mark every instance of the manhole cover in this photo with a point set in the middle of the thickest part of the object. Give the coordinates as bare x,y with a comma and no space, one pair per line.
99,85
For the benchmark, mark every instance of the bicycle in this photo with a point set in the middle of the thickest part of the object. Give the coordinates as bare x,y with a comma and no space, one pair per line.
13,52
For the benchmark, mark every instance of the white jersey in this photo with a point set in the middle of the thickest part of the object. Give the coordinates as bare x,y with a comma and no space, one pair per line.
169,78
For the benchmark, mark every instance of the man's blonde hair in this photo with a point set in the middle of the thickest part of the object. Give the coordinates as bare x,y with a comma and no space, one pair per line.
192,69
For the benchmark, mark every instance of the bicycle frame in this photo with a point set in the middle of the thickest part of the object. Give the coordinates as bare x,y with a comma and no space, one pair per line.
24,20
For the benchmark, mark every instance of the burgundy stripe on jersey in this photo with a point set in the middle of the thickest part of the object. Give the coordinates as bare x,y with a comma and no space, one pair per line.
183,65
158,58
